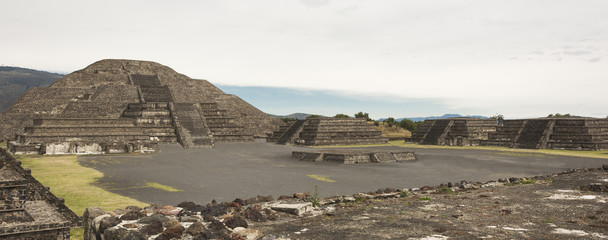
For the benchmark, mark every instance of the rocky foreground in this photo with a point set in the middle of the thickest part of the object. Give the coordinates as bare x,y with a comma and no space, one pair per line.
567,205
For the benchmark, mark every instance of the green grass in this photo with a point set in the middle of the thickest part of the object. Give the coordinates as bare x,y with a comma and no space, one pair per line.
162,187
320,178
73,182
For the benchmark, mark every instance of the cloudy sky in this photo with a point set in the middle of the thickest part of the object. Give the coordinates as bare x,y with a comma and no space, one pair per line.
519,58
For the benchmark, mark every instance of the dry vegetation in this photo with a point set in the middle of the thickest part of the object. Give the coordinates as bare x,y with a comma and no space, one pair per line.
393,132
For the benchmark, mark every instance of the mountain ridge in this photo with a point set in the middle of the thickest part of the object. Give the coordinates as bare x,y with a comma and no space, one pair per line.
15,81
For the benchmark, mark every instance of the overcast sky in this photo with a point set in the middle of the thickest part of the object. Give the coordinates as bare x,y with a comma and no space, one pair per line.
519,58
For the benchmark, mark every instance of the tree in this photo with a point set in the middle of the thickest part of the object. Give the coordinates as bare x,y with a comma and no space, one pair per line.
341,115
287,120
408,125
559,115
313,116
363,115
390,121
419,124
500,119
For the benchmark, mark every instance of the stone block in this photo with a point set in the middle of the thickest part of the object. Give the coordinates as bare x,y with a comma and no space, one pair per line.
293,208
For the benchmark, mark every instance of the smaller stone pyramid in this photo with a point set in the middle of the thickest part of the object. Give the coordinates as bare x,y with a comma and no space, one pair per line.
573,133
328,131
453,131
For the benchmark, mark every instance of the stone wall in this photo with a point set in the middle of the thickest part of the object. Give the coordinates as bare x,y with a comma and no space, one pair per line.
354,156
35,191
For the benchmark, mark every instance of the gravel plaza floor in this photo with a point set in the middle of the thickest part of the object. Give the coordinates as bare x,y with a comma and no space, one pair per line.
244,170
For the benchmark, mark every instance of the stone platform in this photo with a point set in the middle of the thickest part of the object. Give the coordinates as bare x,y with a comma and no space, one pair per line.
454,131
354,156
328,131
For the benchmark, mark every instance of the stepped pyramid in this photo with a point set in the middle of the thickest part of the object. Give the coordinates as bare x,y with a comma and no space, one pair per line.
328,131
453,131
554,133
129,106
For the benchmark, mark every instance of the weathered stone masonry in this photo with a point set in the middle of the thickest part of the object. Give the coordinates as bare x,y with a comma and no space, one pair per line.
28,209
328,131
539,133
129,106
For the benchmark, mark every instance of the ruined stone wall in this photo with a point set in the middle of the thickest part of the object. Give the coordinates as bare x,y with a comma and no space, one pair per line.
36,191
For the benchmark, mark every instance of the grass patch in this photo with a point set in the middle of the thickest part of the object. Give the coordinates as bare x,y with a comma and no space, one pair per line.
73,182
320,178
162,187
425,199
77,233
444,190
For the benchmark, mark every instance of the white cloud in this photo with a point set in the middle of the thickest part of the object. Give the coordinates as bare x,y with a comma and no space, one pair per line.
477,55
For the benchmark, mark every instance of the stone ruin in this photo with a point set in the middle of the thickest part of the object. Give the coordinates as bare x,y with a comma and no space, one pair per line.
354,156
328,131
541,133
115,106
552,133
28,210
453,131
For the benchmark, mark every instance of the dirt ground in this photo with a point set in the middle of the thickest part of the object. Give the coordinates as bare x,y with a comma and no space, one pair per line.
567,205
244,170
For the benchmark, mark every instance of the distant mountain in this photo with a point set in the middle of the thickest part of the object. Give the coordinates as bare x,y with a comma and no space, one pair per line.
14,81
293,115
417,119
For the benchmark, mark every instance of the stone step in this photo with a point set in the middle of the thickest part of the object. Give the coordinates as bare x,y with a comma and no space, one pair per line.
590,146
148,106
147,114
579,138
322,141
233,138
580,130
308,135
83,122
84,138
156,94
98,130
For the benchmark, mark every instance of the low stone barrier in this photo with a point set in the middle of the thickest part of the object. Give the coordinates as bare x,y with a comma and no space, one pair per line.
352,157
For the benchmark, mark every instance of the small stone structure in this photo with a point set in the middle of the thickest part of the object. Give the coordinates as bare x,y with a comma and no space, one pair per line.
575,133
28,210
553,133
328,131
453,131
354,156
117,106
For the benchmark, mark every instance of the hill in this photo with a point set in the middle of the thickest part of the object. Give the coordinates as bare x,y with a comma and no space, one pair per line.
14,81
293,115
417,119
